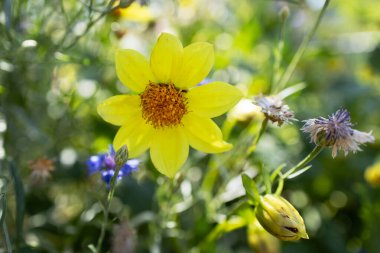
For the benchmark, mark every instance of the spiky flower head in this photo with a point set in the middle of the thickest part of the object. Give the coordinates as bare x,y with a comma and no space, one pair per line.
336,132
280,218
274,109
41,169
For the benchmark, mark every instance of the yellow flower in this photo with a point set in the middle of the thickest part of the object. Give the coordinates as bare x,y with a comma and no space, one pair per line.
169,112
134,12
372,175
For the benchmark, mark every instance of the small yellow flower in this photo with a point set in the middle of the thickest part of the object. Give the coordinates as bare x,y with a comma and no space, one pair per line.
169,112
134,12
372,175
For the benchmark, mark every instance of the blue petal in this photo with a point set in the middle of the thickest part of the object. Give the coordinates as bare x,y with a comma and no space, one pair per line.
131,165
111,150
109,162
94,163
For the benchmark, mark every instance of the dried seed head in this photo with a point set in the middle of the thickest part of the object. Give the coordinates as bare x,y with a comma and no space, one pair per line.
274,109
336,132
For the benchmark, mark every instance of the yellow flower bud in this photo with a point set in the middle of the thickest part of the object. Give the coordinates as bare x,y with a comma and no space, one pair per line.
280,218
260,240
372,175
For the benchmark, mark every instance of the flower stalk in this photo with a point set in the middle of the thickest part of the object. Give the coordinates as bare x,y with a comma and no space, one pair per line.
263,127
304,162
121,157
296,58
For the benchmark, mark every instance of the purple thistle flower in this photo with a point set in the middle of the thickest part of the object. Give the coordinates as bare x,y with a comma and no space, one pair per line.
336,132
105,164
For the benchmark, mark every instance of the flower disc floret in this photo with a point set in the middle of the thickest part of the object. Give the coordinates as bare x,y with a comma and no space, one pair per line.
163,105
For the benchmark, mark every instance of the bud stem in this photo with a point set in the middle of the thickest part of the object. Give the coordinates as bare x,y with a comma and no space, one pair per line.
305,161
107,208
297,56
263,127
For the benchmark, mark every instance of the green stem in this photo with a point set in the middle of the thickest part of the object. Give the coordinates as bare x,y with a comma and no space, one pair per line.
304,162
107,208
293,64
7,240
278,53
264,125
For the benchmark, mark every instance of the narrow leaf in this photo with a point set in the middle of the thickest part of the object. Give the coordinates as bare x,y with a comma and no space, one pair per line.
20,200
276,171
250,188
3,202
296,174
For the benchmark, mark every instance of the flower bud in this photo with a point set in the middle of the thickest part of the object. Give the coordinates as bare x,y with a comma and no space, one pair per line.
280,218
284,13
121,156
372,175
260,240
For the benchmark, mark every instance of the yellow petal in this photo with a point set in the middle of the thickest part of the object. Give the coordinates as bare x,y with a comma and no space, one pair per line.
166,57
198,59
213,99
118,110
204,135
136,134
169,150
133,69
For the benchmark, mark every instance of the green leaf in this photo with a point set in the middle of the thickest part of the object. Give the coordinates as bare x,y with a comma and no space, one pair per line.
3,202
297,173
291,90
276,171
20,200
250,188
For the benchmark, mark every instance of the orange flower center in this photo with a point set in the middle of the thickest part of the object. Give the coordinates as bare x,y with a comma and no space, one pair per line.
163,105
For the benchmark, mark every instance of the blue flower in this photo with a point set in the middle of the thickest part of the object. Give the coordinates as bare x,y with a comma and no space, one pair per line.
105,165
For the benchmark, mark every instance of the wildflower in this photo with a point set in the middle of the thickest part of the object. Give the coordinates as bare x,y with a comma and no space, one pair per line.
260,240
372,175
41,169
336,132
133,11
280,218
170,112
106,164
244,110
274,109
124,238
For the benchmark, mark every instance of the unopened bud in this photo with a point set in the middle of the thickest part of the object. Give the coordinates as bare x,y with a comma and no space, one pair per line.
121,156
284,13
260,240
280,218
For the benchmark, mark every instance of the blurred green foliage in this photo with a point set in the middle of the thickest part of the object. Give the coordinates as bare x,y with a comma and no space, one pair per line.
57,64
